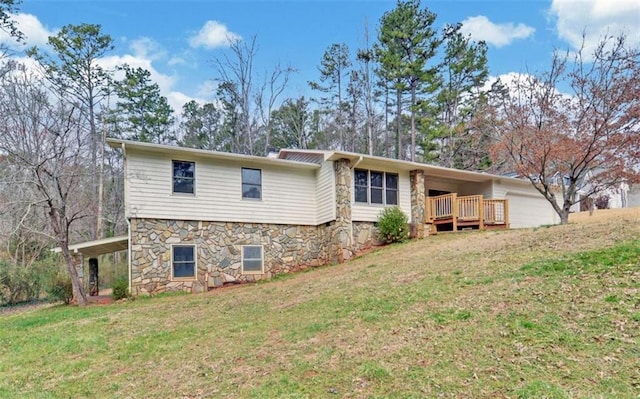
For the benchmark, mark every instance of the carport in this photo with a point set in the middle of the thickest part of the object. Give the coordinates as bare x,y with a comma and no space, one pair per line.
91,250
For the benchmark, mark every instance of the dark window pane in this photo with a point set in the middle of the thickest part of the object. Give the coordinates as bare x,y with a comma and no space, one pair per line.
251,176
376,179
392,197
252,265
251,191
392,181
376,195
186,269
183,169
251,183
360,178
183,177
183,254
252,252
361,194
182,185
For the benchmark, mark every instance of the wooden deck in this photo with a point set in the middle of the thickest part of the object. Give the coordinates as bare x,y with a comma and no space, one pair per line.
470,211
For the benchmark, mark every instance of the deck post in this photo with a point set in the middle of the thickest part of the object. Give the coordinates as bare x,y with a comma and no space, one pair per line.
454,210
506,214
481,212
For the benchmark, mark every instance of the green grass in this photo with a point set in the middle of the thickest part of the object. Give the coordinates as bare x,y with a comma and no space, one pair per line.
545,313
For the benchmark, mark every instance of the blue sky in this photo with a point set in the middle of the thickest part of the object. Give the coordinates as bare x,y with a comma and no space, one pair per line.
176,40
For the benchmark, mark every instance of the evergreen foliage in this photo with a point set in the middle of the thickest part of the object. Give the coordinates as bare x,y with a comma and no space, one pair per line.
393,225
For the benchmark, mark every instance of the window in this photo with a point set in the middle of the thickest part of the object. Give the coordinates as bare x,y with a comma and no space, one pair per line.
376,187
371,187
391,185
251,183
184,177
252,259
361,186
184,261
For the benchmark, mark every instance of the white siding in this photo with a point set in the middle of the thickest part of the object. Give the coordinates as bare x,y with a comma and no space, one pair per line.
288,193
440,184
527,207
369,213
326,193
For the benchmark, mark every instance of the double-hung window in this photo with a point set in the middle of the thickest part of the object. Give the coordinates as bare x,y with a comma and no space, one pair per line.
251,183
184,177
373,187
252,260
183,262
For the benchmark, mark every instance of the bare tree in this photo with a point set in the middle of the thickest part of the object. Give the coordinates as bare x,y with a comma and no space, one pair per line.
74,71
42,150
557,140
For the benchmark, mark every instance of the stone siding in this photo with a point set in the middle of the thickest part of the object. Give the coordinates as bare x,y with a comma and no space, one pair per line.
218,252
365,235
418,204
341,230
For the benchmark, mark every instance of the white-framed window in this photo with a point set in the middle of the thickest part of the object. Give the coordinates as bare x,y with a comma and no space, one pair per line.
374,187
183,262
183,177
251,183
252,259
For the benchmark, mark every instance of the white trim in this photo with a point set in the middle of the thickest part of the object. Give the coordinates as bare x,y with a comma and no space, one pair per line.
195,262
261,259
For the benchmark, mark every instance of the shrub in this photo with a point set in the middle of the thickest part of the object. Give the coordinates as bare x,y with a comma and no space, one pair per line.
120,288
393,225
602,202
23,284
61,289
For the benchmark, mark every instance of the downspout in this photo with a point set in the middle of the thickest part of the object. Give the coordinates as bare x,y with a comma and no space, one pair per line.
126,196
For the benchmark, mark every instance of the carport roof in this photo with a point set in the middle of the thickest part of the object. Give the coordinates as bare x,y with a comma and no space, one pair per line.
98,247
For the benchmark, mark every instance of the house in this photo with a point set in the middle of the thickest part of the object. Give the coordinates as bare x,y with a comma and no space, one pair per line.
199,219
619,195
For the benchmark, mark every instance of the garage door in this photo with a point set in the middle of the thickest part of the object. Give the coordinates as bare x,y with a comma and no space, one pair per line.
527,210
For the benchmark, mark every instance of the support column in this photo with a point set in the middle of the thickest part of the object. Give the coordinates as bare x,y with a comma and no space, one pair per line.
78,261
341,235
94,286
418,211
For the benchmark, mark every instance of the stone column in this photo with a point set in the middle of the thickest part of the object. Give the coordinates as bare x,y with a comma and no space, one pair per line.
341,235
418,211
78,261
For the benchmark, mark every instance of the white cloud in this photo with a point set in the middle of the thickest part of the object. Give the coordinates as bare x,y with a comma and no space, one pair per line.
176,60
481,28
213,34
145,47
35,33
595,18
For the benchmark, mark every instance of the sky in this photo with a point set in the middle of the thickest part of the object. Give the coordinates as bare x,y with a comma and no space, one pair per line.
177,41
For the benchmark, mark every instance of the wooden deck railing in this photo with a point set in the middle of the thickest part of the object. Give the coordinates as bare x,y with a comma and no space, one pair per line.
496,211
467,210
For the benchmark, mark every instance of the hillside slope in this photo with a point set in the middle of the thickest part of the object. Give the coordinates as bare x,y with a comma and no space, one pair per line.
549,312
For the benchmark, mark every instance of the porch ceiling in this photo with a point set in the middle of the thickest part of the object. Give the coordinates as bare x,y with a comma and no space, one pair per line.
98,247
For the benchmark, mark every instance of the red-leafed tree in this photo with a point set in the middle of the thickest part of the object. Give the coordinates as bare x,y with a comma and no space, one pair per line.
574,128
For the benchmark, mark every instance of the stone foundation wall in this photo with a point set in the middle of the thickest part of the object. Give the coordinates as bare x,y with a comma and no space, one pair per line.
218,251
365,235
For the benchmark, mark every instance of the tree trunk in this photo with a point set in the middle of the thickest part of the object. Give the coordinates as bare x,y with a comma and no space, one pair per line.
413,123
78,291
398,122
